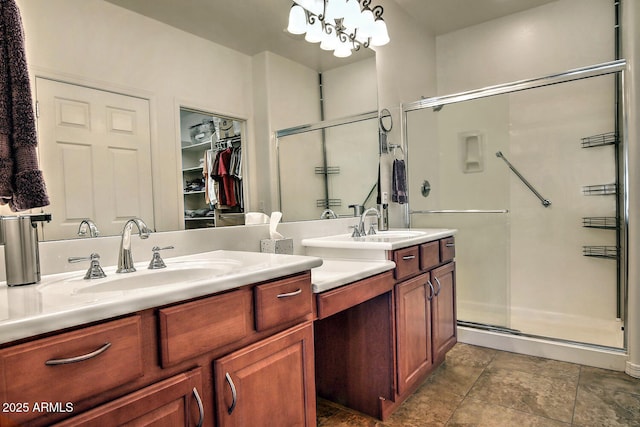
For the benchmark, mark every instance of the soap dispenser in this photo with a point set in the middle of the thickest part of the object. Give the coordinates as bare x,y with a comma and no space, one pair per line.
19,235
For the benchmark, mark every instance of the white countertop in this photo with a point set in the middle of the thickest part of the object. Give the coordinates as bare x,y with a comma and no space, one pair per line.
66,300
383,240
337,272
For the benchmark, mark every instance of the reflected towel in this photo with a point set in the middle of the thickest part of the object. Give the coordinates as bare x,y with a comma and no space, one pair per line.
399,184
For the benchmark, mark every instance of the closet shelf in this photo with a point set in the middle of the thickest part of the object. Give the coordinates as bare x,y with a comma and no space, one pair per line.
604,222
609,138
199,146
609,252
599,190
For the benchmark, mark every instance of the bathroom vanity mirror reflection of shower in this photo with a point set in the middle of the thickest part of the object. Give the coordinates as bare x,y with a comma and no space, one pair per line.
330,166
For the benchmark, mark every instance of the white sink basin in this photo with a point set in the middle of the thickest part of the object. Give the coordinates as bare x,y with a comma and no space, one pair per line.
383,240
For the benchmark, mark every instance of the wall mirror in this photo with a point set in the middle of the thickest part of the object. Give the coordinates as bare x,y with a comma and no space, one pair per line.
115,47
328,165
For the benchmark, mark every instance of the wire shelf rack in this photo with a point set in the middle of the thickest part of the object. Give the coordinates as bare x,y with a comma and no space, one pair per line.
609,138
599,190
327,203
608,252
329,170
605,222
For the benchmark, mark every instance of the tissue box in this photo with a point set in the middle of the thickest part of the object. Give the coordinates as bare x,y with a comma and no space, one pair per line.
277,246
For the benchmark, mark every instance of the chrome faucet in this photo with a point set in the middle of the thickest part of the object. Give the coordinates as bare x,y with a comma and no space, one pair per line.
86,225
360,227
328,214
125,260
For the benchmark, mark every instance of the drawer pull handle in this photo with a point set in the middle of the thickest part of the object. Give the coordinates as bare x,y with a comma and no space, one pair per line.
200,407
290,294
408,257
234,395
450,245
432,293
81,358
439,286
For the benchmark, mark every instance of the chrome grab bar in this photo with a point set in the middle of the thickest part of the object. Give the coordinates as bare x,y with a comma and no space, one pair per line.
447,211
546,203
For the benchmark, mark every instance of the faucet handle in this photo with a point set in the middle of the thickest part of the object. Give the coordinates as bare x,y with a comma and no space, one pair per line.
94,271
356,231
156,260
372,229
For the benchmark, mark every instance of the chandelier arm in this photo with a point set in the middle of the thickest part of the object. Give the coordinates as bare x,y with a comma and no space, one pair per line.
365,4
377,12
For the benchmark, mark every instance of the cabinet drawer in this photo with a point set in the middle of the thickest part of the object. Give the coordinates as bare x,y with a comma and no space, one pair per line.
283,301
407,262
447,249
72,366
429,255
190,329
175,401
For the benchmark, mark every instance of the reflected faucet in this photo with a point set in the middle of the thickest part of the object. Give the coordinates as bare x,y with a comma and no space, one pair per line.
328,214
360,226
86,225
125,260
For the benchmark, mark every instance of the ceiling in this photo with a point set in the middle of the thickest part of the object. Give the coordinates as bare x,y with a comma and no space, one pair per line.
253,26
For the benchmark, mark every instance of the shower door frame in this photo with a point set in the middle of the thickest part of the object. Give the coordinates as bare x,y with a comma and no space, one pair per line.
622,202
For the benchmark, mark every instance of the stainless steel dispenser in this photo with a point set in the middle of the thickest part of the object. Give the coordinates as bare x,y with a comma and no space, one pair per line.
19,235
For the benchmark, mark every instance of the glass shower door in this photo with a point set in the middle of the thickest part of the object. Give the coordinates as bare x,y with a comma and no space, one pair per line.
530,180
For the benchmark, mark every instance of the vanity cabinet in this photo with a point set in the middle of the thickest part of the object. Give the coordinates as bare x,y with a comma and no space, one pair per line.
413,323
425,313
269,383
161,366
379,338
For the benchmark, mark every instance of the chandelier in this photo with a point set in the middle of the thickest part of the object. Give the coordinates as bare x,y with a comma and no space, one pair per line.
339,25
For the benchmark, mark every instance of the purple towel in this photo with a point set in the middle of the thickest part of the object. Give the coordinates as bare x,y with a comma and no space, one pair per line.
21,182
399,184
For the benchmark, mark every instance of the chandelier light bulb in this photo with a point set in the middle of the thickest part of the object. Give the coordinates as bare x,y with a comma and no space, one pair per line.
297,20
352,14
343,50
329,22
380,36
329,41
314,31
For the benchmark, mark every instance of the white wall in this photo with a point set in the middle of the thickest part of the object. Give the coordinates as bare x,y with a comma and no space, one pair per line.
552,38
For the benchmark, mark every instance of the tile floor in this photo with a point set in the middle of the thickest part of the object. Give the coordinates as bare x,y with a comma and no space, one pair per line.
480,387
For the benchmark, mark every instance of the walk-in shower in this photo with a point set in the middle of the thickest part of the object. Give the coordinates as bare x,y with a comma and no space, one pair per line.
532,174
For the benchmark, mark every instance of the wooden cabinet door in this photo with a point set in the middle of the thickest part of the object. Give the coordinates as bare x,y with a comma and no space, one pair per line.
444,310
269,383
413,319
173,402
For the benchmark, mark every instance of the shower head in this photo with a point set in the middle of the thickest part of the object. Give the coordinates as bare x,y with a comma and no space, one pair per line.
499,154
